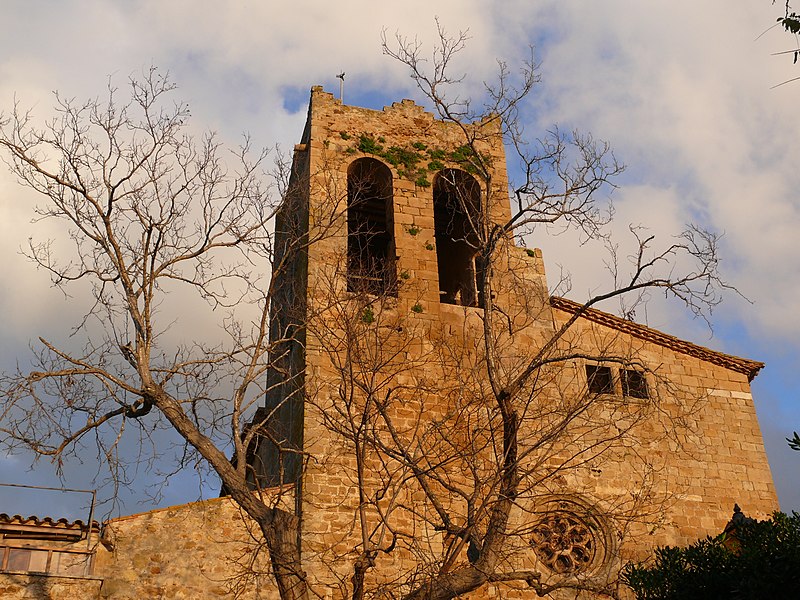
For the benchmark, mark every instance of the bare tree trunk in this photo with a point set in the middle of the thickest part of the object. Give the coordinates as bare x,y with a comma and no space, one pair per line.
450,585
280,532
278,526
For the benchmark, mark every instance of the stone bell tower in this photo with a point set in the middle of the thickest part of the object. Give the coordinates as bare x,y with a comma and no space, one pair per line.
380,203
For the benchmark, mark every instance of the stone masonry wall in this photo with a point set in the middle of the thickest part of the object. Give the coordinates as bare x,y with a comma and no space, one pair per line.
410,335
713,455
203,550
19,586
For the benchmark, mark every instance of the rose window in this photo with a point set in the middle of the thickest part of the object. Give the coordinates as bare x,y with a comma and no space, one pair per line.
567,538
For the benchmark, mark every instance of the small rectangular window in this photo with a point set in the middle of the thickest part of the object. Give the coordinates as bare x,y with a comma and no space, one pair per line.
634,384
599,379
24,559
41,560
70,563
18,559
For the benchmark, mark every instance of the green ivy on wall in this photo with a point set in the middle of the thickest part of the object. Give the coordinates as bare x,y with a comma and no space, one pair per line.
418,161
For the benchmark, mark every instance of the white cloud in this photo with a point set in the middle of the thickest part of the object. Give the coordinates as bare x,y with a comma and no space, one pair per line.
683,96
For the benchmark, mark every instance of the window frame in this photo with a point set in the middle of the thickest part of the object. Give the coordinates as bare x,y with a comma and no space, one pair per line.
641,385
608,386
53,563
618,386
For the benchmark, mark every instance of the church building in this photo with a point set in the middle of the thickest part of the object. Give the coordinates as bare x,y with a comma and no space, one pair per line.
435,416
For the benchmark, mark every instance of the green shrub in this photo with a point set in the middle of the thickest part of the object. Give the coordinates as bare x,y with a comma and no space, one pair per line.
758,560
368,316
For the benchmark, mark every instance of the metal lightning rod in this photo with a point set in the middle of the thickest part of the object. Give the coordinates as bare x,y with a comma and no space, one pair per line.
340,77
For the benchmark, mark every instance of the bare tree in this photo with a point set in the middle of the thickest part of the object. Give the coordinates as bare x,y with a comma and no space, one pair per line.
150,213
448,472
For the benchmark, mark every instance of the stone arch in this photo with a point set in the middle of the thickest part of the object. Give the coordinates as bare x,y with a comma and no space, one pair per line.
457,219
370,228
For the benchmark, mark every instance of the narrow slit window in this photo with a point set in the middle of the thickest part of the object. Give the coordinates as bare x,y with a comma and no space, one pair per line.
599,379
457,218
634,384
370,239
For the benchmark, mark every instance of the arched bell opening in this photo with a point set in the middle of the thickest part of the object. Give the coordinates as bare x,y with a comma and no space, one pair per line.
370,230
457,219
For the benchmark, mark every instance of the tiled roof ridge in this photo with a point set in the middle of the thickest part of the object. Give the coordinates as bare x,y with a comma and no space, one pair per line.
62,523
729,361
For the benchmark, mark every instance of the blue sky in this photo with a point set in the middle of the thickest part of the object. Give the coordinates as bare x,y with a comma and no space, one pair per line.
681,90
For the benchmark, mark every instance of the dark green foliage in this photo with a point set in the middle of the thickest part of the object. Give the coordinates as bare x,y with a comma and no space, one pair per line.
368,145
759,560
397,156
403,159
344,135
465,157
794,443
699,571
437,154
